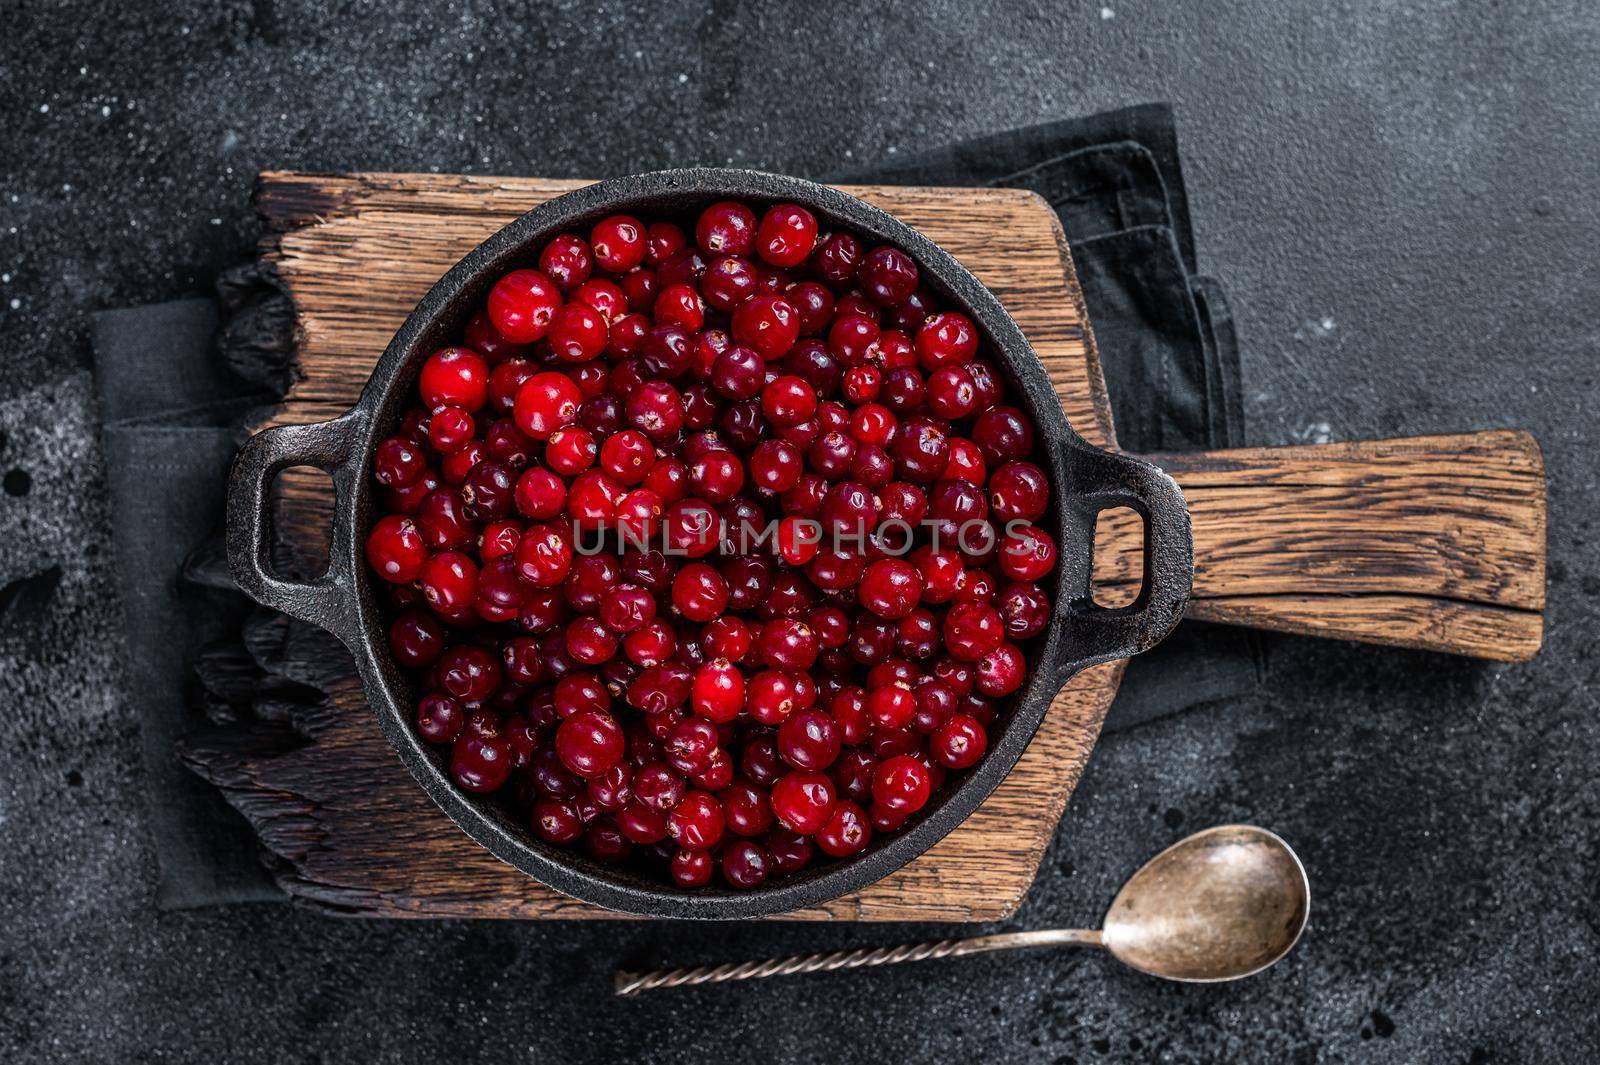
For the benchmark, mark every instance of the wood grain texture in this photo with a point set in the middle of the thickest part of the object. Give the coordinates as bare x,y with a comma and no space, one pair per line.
1434,542
347,827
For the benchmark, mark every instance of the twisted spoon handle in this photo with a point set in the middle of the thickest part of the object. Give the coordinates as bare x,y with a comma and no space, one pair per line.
633,983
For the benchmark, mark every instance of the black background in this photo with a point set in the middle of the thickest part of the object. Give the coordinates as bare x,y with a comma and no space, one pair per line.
1401,201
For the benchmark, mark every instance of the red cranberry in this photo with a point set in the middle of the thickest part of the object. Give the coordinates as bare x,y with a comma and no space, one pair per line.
578,333
439,718
808,739
890,588
846,832
566,261
480,761
803,800
606,297
770,696
1002,671
973,630
768,325
726,228
545,402
718,692
729,280
788,401
618,243
901,784
959,742
395,549
746,865
745,809
663,239
692,868
787,235
454,377
655,408
1003,434
696,823
947,339
522,305
1018,491
589,743
488,493
1027,553
888,276
837,258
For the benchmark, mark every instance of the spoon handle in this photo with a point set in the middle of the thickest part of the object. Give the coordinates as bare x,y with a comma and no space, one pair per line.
633,983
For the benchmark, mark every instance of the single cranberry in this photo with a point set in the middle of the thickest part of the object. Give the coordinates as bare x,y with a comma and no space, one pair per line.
545,402
439,718
770,696
606,297
890,588
1003,434
641,824
655,408
1027,553
745,809
850,510
589,642
505,380
837,258
640,286
903,390
589,742
972,630
454,377
921,450
480,761
618,242
951,393
717,774
776,465
696,823
788,401
716,475
786,236
611,790
576,693
604,841
745,864
578,333
416,639
726,228
814,303
395,549
692,868
1002,671
663,239
901,784
566,261
522,305
1024,608
948,338
749,582
768,325
718,692
686,267
918,636
658,787
488,493
726,638
872,423
808,739
728,281
955,510
760,762
802,801
836,569
544,555
1018,491
887,275
506,444
832,453
540,494
965,463
650,647
398,463
959,742
690,744
627,608
846,832
699,593
449,582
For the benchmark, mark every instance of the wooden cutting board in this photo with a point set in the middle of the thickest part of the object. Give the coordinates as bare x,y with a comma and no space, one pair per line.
1434,542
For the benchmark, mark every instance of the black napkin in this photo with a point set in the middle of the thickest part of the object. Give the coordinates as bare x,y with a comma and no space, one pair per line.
1166,344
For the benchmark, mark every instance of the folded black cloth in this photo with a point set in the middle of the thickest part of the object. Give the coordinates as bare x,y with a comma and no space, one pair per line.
1166,345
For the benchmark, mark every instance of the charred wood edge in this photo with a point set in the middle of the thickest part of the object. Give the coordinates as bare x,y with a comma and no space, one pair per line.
259,707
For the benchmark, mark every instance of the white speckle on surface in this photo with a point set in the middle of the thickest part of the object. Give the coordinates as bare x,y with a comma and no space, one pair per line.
216,221
16,304
1106,14
1314,433
682,78
105,111
44,109
893,150
1316,328
230,140
5,278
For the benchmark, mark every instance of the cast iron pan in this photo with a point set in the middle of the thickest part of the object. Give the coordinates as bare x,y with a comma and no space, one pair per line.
1084,479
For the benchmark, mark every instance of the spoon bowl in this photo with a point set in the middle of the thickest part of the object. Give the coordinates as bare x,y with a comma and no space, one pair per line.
1219,905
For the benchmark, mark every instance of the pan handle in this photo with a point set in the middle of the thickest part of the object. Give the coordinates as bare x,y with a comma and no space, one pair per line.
1101,480
328,601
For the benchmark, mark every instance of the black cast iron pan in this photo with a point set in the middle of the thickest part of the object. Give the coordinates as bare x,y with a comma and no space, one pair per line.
1084,481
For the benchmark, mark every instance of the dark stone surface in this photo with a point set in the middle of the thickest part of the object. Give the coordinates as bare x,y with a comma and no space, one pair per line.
1402,202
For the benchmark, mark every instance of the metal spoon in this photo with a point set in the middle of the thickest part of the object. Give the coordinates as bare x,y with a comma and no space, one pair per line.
1219,905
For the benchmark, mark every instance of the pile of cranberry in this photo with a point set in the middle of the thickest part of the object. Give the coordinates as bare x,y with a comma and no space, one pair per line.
821,557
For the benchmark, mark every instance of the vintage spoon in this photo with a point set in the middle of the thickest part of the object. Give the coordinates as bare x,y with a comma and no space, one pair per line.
1218,905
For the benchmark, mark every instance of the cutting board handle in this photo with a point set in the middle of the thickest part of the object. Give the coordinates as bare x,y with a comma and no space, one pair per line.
1435,542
